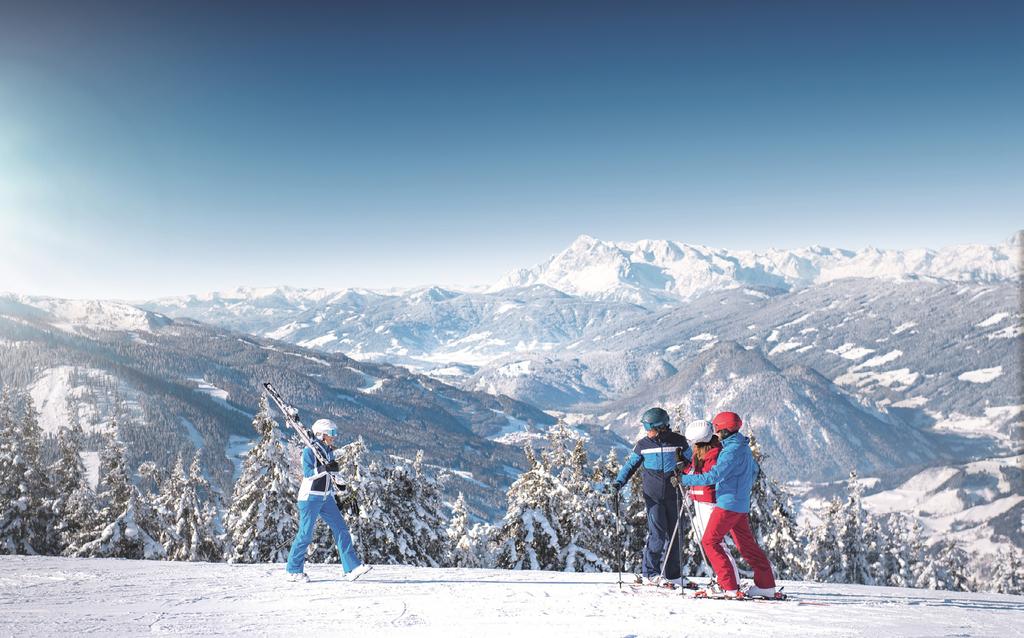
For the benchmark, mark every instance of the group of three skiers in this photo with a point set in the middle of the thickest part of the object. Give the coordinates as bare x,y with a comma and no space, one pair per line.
719,470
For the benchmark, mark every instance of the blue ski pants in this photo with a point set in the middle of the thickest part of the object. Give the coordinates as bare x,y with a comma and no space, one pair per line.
308,512
661,522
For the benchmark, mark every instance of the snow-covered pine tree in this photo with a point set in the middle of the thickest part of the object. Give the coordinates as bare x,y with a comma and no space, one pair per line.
584,514
262,519
948,568
1008,577
26,491
118,534
903,551
74,505
608,541
400,513
528,538
634,524
823,562
428,520
854,537
773,522
154,511
460,550
192,535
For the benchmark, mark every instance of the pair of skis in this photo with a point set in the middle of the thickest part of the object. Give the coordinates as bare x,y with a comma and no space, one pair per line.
291,418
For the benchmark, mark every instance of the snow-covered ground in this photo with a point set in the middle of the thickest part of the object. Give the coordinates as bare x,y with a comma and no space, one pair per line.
45,596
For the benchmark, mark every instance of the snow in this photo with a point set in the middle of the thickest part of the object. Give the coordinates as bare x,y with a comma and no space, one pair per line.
209,389
851,351
318,342
1009,332
91,460
235,451
47,596
53,391
785,346
193,433
874,362
984,375
994,319
900,379
911,402
903,327
704,336
512,370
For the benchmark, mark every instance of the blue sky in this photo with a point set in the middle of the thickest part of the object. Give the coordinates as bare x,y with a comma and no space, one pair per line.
163,148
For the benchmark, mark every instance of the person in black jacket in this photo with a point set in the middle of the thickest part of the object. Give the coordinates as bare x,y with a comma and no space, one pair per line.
658,452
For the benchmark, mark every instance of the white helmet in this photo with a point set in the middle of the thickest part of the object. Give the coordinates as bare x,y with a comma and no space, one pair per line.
699,431
325,426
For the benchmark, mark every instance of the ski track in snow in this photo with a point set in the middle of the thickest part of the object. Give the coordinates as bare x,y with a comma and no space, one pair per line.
46,596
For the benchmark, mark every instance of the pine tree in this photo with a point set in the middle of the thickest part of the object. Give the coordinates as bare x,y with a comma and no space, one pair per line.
1009,573
262,520
607,523
823,562
461,552
528,538
903,551
635,524
74,506
400,516
190,533
585,518
773,522
854,538
118,534
948,570
26,491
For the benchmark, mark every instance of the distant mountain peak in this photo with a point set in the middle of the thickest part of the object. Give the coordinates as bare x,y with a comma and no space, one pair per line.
653,271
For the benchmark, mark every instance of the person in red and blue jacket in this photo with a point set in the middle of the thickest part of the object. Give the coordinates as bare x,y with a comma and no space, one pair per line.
733,477
658,452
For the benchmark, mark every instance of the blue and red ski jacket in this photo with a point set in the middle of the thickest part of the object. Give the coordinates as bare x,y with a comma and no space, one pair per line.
658,457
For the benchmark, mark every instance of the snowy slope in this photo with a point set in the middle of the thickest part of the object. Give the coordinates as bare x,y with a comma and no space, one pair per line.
60,596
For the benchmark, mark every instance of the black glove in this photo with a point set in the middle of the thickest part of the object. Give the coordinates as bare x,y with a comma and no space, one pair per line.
330,467
616,486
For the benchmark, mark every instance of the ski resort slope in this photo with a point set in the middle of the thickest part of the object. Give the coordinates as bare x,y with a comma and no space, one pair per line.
46,596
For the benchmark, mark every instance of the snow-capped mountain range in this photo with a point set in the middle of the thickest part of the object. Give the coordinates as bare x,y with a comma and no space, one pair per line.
888,361
660,270
603,329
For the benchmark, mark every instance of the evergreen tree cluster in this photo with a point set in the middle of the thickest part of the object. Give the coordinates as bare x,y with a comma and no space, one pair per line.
560,514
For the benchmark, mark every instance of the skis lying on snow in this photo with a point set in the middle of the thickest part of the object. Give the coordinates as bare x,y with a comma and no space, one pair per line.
720,595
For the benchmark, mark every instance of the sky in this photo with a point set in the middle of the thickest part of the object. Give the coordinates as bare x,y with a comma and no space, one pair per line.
154,148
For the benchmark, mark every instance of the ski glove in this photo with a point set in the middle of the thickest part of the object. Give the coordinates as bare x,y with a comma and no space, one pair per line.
330,467
616,486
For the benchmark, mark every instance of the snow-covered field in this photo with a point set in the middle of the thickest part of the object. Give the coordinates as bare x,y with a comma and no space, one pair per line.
45,596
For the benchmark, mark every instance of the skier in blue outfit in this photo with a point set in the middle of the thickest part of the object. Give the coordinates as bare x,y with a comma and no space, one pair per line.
658,452
316,498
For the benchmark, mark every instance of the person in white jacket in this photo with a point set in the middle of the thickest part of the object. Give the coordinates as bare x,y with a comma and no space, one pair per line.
316,498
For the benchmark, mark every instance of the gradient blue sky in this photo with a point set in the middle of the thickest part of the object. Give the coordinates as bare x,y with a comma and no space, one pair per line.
152,148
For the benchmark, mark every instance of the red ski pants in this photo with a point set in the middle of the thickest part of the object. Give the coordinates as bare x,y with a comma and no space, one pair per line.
737,524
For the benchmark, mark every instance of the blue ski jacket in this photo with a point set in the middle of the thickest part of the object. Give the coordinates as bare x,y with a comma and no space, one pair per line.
316,481
733,475
658,457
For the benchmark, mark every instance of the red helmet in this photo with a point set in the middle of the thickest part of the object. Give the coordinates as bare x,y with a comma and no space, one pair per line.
727,421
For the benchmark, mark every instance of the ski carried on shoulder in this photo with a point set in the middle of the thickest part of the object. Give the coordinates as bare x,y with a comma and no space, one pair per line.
291,419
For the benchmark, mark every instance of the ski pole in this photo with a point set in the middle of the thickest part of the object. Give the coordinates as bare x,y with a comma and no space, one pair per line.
671,542
618,536
703,556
